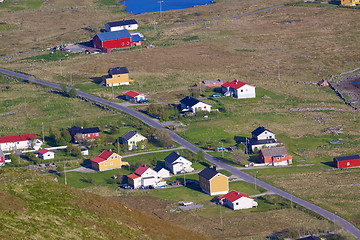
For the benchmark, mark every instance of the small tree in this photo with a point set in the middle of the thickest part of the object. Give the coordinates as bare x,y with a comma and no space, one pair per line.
163,137
113,130
239,157
228,140
72,93
60,170
200,156
102,127
64,90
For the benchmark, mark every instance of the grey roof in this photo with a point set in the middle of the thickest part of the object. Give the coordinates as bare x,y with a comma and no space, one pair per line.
107,36
345,158
208,173
189,101
158,168
309,238
129,135
212,81
259,130
253,141
118,70
274,151
172,157
122,23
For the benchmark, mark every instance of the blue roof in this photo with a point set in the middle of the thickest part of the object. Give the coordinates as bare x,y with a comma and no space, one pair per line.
136,38
106,36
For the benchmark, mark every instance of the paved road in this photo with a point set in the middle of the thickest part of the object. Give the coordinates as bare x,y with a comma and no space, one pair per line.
236,172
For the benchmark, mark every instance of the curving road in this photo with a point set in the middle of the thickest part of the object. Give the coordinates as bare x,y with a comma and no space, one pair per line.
246,177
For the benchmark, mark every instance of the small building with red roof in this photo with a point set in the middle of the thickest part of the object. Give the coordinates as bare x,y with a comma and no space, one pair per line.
237,200
145,176
347,161
134,96
45,154
107,160
22,141
238,89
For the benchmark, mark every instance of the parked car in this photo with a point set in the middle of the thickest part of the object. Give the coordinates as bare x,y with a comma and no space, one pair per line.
190,182
144,187
126,186
143,101
175,183
216,95
220,149
159,186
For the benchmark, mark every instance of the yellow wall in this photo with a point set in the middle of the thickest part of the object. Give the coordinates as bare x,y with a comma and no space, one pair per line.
350,2
116,162
120,78
219,184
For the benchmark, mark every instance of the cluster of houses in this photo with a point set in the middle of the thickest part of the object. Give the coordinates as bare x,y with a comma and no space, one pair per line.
350,2
117,35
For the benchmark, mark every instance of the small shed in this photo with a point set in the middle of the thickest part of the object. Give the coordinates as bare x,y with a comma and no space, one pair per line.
323,83
134,96
347,161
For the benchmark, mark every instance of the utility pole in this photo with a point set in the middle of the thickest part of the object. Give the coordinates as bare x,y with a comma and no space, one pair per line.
291,199
354,109
70,78
65,174
112,86
43,132
60,68
335,221
221,216
160,7
118,145
278,63
207,26
255,179
25,106
184,175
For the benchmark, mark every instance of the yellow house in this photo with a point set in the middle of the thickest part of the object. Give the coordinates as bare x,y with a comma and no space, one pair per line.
132,138
117,76
107,160
350,2
212,182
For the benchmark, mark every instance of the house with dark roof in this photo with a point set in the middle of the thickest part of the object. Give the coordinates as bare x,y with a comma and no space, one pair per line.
134,96
176,163
145,176
212,182
347,161
130,24
22,141
261,138
238,89
237,200
132,138
45,154
117,76
80,134
192,104
275,156
117,39
107,160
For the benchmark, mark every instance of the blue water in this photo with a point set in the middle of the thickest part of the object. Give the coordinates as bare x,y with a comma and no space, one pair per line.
142,6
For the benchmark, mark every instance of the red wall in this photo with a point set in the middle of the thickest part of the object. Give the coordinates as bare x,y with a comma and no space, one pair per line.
117,43
2,159
344,164
270,159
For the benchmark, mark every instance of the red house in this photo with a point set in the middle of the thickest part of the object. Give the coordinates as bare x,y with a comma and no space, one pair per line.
116,39
275,156
79,134
347,161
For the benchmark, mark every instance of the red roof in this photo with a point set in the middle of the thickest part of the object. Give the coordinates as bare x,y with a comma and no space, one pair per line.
132,94
18,138
133,176
102,157
43,151
233,196
141,170
235,84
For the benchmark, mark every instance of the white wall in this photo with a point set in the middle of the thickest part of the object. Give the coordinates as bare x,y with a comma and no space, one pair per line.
201,106
118,28
245,91
266,135
18,145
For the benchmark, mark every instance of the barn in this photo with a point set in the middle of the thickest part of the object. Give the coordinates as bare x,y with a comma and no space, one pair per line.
117,39
347,161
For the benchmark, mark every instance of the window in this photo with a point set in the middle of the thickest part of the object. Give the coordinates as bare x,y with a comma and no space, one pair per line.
237,203
348,164
111,163
241,90
112,157
127,43
105,164
115,156
122,44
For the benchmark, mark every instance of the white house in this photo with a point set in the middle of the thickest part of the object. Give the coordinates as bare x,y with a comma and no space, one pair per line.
145,176
176,163
132,138
45,154
162,172
237,200
130,24
22,141
238,89
194,105
134,96
262,137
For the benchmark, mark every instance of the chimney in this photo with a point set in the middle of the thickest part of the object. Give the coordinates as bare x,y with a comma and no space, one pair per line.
213,167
